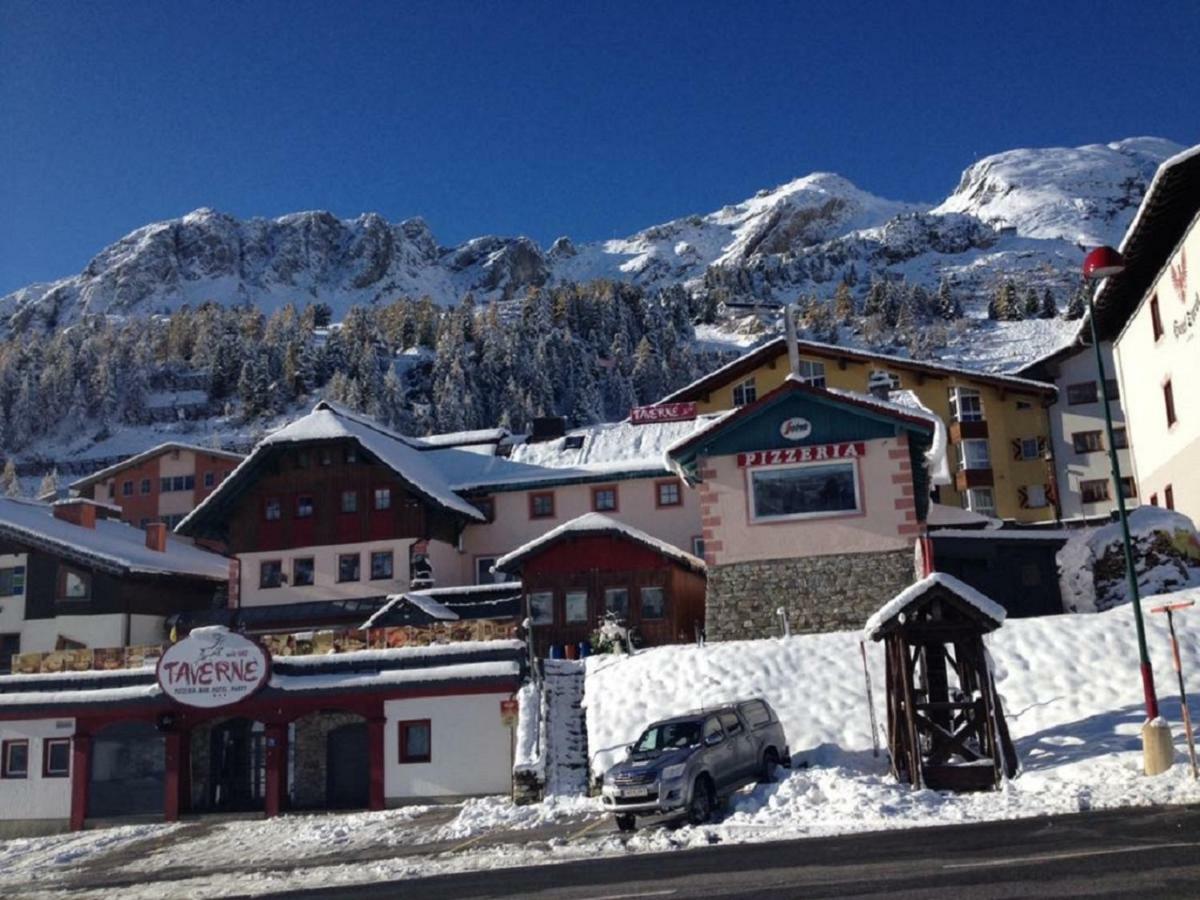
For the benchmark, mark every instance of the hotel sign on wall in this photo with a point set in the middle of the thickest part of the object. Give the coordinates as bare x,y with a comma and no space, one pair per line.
1191,314
791,455
665,412
213,667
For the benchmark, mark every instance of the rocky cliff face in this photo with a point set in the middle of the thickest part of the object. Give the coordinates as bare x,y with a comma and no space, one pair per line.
1023,212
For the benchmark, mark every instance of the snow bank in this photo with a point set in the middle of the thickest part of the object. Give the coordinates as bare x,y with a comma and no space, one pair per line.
1092,563
529,752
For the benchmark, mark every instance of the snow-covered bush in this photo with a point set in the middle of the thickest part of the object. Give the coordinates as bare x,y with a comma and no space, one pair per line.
1166,551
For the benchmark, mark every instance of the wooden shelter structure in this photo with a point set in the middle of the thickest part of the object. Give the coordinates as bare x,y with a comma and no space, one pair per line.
945,724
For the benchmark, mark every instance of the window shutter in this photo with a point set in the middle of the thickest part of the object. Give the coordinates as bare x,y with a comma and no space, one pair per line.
1041,446
1016,448
1023,497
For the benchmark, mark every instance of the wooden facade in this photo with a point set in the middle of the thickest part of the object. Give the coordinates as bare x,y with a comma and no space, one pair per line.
596,563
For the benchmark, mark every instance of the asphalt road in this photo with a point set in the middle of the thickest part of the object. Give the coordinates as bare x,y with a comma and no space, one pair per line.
1125,853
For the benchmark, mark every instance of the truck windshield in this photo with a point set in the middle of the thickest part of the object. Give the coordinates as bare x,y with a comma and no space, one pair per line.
668,736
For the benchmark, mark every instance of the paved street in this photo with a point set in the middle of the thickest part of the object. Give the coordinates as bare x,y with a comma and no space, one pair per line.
1147,853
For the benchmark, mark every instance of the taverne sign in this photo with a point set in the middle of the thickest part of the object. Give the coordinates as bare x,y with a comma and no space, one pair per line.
213,667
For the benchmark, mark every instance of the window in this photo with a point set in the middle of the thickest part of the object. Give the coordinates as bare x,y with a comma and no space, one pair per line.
127,489
348,566
616,602
980,500
351,454
1120,438
881,377
15,761
788,492
145,485
143,522
1113,388
416,741
304,506
270,573
12,581
541,506
1169,402
177,483
541,608
349,501
302,459
210,479
326,457
381,565
973,454
1087,441
1155,318
1128,488
1024,404
272,509
1029,448
10,646
576,607
745,393
698,546
667,493
1035,495
712,728
573,442
383,498
733,725
1084,392
654,603
487,506
812,373
164,485
483,570
1169,497
1094,491
1154,499
756,713
965,405
73,584
56,757
302,571
604,499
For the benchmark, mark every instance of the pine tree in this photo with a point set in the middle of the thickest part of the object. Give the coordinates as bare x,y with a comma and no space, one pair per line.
8,479
1048,308
1032,304
1076,305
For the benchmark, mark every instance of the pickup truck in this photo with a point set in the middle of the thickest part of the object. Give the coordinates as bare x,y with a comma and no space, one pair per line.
689,762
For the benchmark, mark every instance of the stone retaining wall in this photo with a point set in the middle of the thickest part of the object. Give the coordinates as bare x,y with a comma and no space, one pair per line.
818,593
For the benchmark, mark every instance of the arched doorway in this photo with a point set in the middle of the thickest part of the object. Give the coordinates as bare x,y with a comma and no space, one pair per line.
128,770
229,770
330,762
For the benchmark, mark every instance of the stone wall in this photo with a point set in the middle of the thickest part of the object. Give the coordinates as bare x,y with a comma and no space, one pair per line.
309,740
818,593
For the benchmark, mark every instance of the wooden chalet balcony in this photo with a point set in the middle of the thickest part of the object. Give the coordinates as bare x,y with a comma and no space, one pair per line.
961,431
969,478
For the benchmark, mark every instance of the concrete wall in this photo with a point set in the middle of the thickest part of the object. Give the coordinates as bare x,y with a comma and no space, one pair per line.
325,562
35,805
41,635
1166,454
471,749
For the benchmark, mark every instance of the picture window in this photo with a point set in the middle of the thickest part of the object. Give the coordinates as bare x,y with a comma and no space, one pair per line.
348,567
303,571
795,492
669,493
381,565
15,759
56,757
416,741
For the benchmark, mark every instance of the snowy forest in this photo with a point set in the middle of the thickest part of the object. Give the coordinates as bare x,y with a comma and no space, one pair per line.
587,352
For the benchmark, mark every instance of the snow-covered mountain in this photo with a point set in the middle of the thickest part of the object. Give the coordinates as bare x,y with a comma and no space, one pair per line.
1022,212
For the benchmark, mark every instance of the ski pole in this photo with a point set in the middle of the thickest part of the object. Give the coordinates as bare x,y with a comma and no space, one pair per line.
862,647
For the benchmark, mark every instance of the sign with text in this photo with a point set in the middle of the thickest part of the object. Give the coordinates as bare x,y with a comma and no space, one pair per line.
819,453
665,412
508,712
795,429
213,667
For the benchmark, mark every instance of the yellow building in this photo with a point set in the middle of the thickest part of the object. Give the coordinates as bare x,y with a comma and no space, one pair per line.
998,424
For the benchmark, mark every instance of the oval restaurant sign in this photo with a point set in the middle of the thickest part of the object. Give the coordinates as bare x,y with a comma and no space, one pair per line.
213,667
796,429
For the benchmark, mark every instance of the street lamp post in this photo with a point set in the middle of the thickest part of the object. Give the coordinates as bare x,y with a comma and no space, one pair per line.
1105,262
1157,749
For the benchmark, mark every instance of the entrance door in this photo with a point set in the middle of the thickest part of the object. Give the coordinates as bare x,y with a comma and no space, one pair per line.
347,767
237,766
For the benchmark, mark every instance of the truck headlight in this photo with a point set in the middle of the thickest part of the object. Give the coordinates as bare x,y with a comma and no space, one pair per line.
670,773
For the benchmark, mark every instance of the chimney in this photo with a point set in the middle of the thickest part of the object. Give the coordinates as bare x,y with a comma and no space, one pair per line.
77,511
156,536
547,428
789,333
879,384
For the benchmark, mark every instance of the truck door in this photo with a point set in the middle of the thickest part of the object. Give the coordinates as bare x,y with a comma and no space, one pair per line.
743,754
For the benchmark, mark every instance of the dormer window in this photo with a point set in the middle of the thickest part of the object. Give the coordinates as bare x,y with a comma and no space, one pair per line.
745,393
73,584
811,373
965,405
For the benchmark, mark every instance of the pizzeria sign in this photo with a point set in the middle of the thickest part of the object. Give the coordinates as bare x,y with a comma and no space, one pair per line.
790,455
213,667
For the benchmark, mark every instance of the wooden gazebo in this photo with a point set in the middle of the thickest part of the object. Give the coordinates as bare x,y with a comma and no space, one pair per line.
945,725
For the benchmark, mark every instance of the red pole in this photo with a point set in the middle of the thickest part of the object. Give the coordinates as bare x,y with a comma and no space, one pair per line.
81,774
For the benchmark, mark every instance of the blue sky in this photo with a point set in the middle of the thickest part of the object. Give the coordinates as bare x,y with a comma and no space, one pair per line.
591,120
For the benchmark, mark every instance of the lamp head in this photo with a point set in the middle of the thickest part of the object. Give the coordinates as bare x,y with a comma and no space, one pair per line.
1102,262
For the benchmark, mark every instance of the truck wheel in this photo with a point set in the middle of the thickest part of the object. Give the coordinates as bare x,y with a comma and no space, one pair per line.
769,764
626,822
701,807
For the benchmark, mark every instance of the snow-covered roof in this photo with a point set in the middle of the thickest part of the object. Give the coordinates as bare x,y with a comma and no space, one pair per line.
468,600
154,451
914,592
620,444
943,515
328,421
111,545
464,438
598,523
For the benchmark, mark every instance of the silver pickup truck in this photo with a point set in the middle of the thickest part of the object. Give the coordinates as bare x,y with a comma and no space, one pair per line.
689,762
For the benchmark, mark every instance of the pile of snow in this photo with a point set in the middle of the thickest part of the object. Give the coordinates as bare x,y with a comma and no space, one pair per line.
1070,688
1091,564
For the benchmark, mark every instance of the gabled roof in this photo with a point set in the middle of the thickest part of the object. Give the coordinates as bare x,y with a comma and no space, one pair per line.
1170,204
111,546
777,347
452,604
154,451
888,617
593,524
326,422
